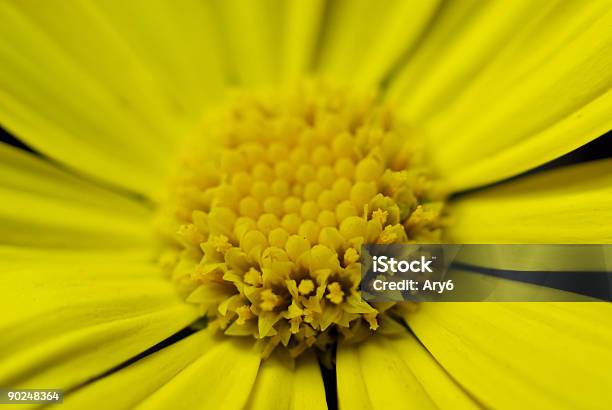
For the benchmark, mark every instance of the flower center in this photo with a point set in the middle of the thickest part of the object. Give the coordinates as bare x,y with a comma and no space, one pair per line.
272,202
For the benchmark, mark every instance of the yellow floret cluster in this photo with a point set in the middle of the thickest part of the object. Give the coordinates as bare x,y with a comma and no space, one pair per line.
272,201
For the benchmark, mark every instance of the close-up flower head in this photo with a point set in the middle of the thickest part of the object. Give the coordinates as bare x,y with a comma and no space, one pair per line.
188,187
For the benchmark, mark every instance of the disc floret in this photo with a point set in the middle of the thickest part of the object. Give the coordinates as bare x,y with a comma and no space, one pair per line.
272,202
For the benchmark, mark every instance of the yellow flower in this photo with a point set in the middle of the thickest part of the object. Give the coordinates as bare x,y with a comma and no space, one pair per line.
163,245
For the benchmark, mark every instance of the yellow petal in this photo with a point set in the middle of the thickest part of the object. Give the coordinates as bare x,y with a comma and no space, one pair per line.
567,205
302,26
352,389
462,39
566,134
363,40
388,382
281,384
23,171
143,377
273,386
32,291
30,219
551,69
177,43
222,378
43,205
65,322
308,392
21,257
95,101
440,387
542,355
424,373
251,31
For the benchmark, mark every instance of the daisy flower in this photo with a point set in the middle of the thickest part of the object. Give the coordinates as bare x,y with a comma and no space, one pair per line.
191,182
